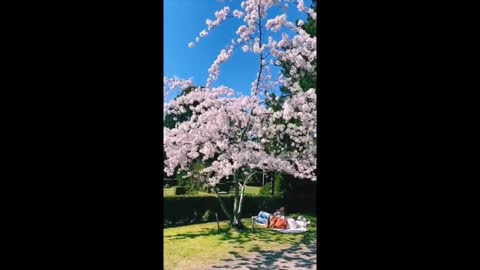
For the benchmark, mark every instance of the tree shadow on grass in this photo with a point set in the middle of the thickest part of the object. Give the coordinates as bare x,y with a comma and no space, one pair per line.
202,233
242,237
301,256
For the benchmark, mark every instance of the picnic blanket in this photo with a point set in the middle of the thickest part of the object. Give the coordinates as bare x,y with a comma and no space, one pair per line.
299,230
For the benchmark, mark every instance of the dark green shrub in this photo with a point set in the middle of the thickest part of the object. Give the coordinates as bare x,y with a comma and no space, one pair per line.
193,184
266,189
184,210
181,181
256,181
191,191
300,195
279,188
180,190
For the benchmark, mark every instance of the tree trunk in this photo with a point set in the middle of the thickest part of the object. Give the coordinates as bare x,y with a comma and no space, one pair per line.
242,193
272,192
235,220
241,200
237,223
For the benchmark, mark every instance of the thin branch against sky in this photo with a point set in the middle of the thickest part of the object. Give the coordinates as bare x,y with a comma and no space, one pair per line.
184,20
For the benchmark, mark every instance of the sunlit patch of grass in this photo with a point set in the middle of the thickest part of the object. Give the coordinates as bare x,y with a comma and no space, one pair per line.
200,246
252,190
248,190
168,191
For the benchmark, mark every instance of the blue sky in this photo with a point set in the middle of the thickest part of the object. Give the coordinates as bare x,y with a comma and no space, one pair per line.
183,21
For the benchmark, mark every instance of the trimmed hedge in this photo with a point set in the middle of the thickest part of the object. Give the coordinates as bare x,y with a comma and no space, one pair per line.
179,190
185,210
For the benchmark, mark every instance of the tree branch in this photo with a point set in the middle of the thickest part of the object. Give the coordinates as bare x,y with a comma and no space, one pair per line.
261,54
243,192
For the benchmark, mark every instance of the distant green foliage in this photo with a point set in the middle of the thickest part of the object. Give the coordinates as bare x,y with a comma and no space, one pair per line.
172,119
306,80
179,190
266,189
311,26
280,185
181,181
256,180
193,183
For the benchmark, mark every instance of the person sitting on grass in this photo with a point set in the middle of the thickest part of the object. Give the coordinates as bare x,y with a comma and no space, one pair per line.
279,221
280,212
264,217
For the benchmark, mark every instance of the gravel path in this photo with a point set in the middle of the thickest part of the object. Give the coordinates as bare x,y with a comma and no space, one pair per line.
297,257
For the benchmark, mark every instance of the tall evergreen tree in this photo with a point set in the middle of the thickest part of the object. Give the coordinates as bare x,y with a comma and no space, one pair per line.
306,81
172,119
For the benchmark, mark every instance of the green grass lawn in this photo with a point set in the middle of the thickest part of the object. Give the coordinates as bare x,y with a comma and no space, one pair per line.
252,190
167,191
248,190
200,246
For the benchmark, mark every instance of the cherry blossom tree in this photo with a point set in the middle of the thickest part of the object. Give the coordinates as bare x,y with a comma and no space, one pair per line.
236,137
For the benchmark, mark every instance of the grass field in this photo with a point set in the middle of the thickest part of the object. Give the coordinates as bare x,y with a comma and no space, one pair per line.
167,191
185,247
248,190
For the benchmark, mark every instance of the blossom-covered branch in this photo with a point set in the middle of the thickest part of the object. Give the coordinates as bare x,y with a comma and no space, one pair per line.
230,133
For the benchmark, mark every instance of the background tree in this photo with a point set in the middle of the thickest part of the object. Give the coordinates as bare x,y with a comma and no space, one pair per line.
306,79
172,119
193,181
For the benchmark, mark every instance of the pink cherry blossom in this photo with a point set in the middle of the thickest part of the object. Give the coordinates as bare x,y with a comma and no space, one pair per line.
234,133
